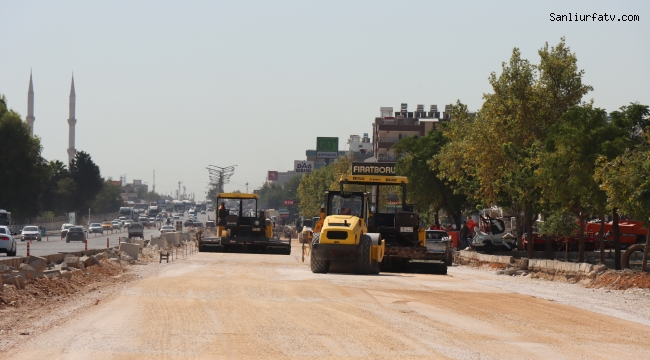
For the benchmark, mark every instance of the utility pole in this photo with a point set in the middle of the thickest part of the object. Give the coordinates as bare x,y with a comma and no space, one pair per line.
246,187
154,180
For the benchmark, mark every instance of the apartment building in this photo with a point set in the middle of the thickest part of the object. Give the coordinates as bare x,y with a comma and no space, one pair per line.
390,127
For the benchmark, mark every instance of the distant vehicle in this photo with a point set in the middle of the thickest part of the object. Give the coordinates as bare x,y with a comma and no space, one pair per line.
7,242
143,220
128,222
192,222
203,212
107,225
96,228
153,211
152,221
167,229
30,233
5,218
116,224
64,229
136,230
75,233
127,212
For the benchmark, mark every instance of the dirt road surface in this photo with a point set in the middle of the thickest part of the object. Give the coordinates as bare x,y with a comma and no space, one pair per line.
238,306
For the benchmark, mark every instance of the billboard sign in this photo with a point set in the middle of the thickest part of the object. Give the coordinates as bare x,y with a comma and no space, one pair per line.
273,175
301,166
327,147
289,202
382,168
256,191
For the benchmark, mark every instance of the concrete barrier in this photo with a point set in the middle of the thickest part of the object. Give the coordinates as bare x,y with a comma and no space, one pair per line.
473,255
559,266
132,250
162,243
139,242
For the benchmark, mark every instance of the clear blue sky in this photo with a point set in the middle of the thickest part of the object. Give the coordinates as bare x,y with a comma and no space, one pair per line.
175,86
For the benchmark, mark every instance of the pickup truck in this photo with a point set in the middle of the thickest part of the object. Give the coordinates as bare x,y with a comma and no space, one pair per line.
136,230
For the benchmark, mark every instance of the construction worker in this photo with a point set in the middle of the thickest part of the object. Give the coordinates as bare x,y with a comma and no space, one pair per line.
223,212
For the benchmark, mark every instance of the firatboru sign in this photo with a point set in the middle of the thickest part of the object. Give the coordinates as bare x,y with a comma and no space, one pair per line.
288,202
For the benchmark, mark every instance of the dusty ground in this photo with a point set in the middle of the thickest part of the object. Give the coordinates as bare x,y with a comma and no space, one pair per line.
236,306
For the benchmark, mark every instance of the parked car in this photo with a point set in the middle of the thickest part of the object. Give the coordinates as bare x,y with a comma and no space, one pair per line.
75,233
64,229
438,244
107,225
30,233
167,229
95,228
7,242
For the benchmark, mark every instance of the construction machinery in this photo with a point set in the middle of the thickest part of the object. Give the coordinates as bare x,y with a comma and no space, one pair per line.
241,227
400,227
343,235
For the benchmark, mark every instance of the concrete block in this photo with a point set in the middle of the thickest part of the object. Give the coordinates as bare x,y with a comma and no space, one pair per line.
29,271
38,263
91,261
524,264
4,269
66,275
18,282
51,273
161,243
500,272
71,260
131,249
138,242
509,271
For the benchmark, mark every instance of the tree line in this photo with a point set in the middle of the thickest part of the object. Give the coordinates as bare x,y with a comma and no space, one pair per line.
537,148
32,186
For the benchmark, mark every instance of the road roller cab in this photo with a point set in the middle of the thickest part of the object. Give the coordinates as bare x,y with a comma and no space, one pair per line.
344,236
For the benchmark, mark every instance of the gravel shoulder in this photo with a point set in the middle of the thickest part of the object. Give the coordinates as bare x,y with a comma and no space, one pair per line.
241,306
631,305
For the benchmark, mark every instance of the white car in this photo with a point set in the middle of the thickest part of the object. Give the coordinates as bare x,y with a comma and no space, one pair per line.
7,242
167,229
30,233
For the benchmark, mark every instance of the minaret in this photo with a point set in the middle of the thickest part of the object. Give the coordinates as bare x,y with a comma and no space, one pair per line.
30,106
71,123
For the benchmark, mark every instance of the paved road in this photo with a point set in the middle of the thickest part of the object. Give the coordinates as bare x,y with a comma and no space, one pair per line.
95,241
240,306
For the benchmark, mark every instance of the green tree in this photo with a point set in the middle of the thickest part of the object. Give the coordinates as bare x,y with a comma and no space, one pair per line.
56,171
87,178
426,188
108,200
568,162
562,224
492,156
21,166
625,178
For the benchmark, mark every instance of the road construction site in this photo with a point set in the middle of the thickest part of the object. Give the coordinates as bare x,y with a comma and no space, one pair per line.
234,305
